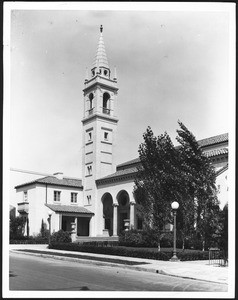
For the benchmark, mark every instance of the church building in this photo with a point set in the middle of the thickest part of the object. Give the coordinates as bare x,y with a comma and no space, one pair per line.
102,203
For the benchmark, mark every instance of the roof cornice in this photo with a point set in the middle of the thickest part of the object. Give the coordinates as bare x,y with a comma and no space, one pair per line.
100,116
102,82
116,178
45,181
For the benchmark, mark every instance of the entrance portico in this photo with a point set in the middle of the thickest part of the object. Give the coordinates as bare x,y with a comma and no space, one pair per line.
115,211
66,215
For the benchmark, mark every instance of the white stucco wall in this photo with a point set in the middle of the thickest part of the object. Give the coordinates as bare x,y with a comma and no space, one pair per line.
37,199
223,188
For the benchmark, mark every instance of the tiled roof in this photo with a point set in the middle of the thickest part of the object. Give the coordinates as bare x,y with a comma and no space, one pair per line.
69,209
223,169
130,167
203,143
214,140
118,174
216,152
52,180
130,162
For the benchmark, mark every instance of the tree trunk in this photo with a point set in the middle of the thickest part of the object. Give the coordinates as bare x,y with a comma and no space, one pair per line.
203,244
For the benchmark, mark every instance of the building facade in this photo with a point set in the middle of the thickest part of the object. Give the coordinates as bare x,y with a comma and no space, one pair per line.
102,203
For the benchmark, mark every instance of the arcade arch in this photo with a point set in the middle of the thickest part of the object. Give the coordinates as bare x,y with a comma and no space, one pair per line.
116,211
123,200
107,202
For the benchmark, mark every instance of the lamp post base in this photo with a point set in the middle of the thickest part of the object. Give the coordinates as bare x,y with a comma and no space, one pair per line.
174,258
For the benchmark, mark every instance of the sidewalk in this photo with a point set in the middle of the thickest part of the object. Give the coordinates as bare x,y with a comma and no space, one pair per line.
200,270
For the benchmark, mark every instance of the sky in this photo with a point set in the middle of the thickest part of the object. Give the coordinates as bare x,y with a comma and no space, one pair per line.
171,65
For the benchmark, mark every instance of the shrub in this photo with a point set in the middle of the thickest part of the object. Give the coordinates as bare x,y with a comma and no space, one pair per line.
139,238
17,225
193,255
44,232
166,240
131,238
150,237
60,236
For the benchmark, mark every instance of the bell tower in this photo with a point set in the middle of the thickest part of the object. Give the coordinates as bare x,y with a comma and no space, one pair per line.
99,124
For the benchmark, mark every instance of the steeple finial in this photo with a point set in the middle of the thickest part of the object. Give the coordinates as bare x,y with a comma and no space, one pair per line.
115,73
101,28
86,75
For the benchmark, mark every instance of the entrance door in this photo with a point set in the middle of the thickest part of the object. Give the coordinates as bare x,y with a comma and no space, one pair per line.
66,223
83,226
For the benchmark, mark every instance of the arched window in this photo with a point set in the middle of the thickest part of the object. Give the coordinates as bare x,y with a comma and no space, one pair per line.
106,98
90,103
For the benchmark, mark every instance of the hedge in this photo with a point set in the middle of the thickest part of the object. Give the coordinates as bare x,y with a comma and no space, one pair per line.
129,252
150,238
30,241
101,243
61,236
118,251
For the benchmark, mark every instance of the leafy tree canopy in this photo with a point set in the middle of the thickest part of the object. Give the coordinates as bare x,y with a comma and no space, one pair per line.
183,174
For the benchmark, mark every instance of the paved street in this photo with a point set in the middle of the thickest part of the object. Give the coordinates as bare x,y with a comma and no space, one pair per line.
31,273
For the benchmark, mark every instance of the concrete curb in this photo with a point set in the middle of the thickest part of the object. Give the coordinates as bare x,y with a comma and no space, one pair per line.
110,264
88,261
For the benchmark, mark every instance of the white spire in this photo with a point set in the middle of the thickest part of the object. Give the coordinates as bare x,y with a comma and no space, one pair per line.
101,56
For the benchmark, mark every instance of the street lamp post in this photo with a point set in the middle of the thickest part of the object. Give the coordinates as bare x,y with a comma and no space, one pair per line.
174,206
49,219
27,225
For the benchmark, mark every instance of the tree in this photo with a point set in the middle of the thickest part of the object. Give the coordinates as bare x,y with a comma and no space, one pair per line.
157,179
44,232
17,226
183,174
199,184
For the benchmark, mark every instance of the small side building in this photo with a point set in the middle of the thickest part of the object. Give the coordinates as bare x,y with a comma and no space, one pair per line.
60,197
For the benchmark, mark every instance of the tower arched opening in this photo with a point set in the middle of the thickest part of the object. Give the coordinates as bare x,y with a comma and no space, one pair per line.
90,103
106,99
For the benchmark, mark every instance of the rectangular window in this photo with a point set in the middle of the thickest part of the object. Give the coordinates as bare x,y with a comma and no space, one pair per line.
25,198
57,195
89,136
106,136
89,199
74,197
89,170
